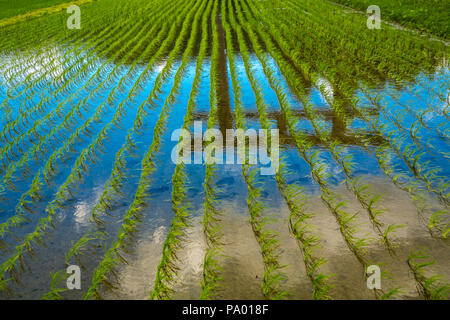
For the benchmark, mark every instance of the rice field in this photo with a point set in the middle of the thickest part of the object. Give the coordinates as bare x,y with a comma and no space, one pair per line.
87,143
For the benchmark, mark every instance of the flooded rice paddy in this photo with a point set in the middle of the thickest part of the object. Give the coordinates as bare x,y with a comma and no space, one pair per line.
88,177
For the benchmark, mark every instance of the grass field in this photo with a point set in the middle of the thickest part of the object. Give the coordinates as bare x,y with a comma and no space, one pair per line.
432,16
91,148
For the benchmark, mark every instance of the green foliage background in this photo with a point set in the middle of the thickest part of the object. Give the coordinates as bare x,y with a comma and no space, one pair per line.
432,16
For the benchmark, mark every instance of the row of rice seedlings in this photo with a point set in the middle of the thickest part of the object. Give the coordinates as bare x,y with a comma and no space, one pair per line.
114,183
430,287
412,152
345,220
39,147
55,34
26,118
55,84
278,37
293,194
167,268
38,109
363,69
113,186
309,242
367,201
267,238
437,223
345,34
112,256
64,192
212,229
411,155
419,116
418,136
32,192
422,84
420,123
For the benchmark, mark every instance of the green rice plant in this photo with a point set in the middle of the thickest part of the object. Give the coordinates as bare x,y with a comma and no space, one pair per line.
212,229
268,240
112,256
64,191
167,268
346,220
417,192
55,286
430,287
79,247
411,156
304,233
293,199
53,132
49,167
439,220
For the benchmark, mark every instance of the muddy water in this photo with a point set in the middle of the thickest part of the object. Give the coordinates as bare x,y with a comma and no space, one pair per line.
243,266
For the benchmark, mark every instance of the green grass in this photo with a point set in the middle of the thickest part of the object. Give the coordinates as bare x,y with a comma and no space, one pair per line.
432,16
10,8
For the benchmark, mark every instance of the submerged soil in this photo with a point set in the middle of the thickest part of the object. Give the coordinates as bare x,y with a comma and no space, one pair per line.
242,263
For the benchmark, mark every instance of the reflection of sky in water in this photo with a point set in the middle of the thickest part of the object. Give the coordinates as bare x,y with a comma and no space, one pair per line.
75,220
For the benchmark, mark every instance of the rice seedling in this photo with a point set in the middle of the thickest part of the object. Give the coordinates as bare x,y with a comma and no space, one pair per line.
212,230
112,257
64,192
336,150
167,267
345,220
33,191
362,118
431,287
